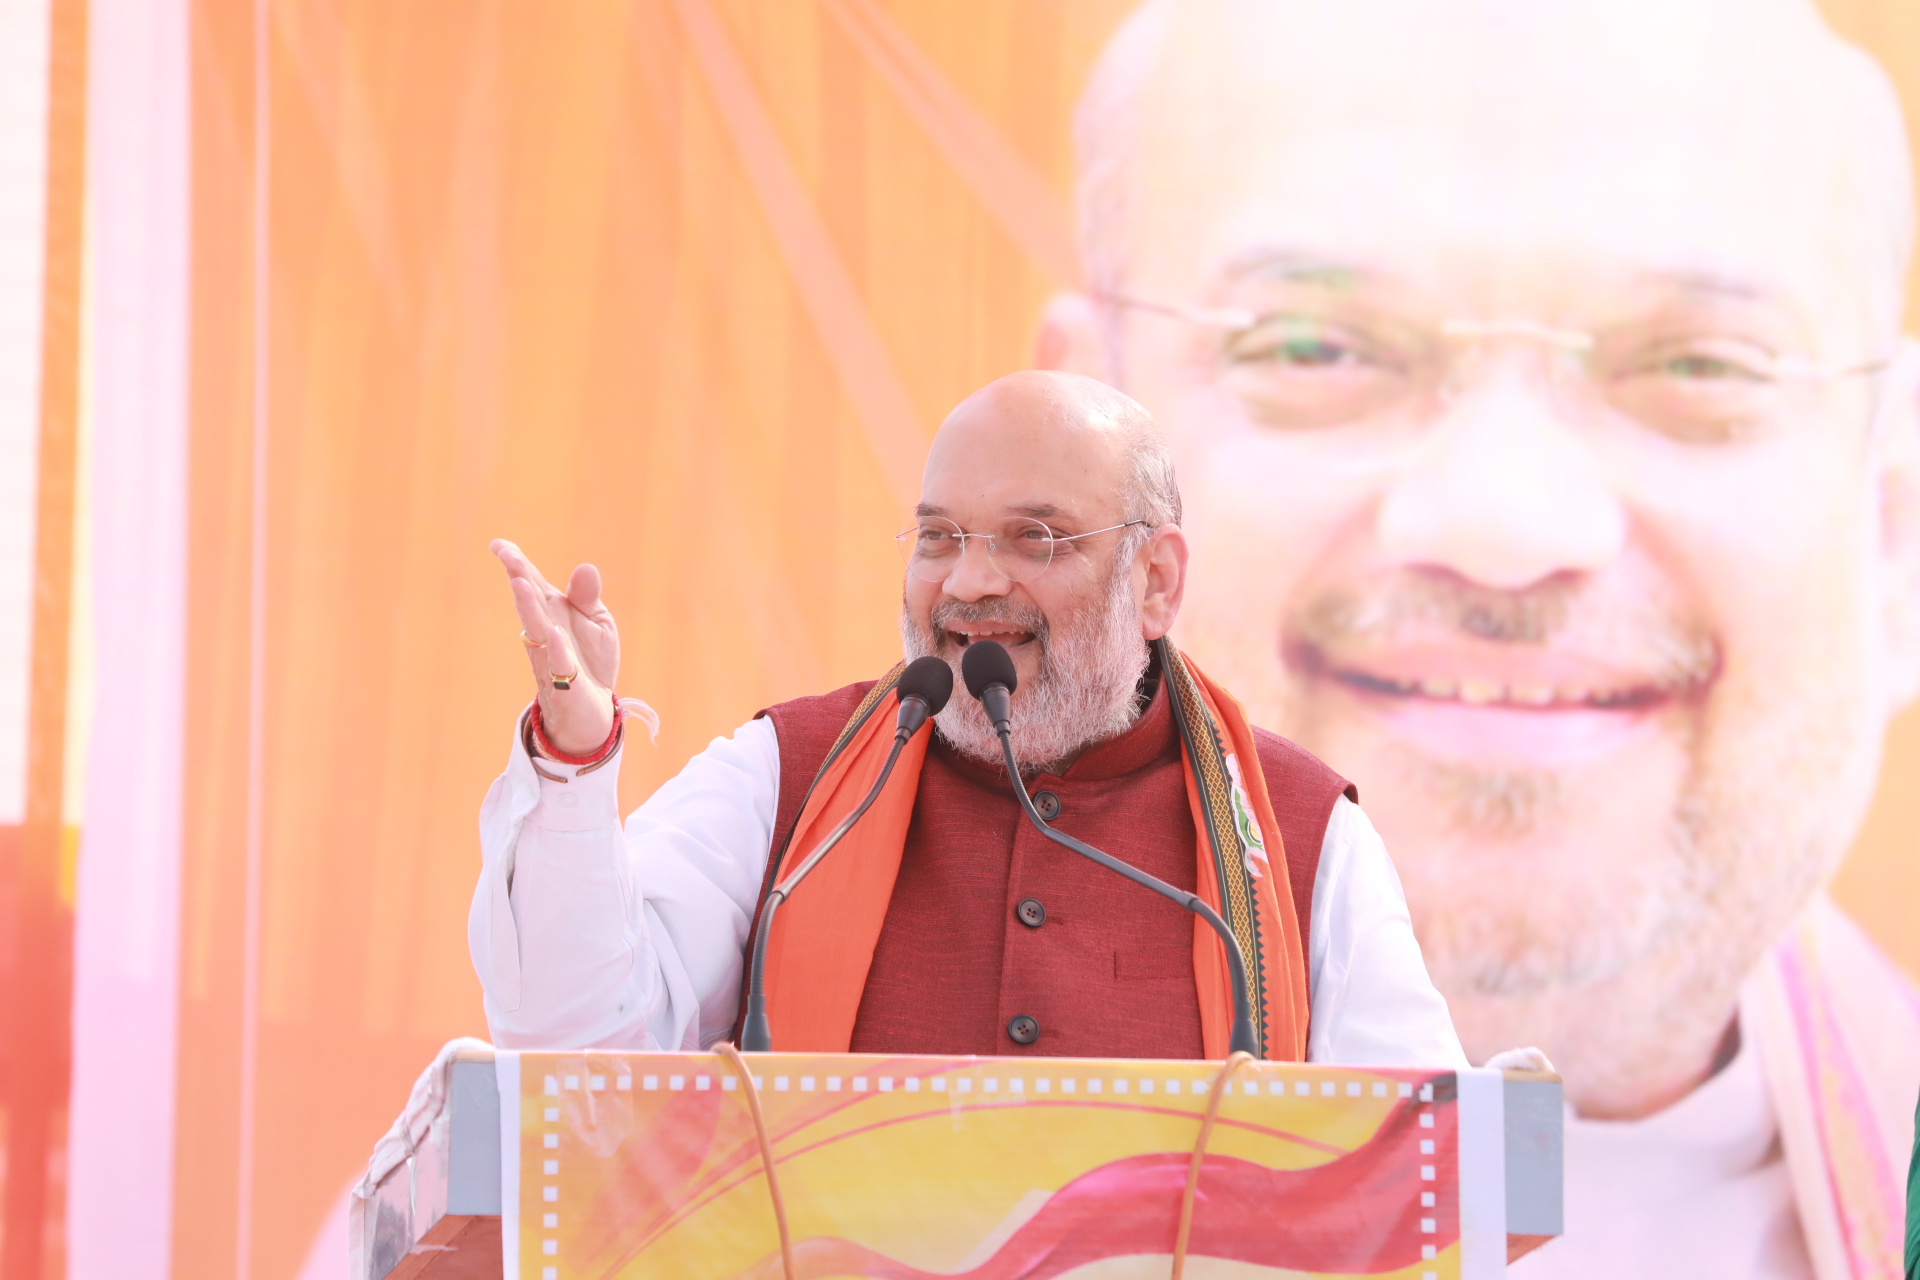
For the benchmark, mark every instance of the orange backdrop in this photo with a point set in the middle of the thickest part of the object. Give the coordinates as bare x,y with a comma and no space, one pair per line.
680,286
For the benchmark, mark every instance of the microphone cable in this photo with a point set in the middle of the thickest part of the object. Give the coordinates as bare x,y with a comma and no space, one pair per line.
924,688
990,675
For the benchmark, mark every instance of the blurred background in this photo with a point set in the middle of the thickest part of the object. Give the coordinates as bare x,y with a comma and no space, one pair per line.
301,303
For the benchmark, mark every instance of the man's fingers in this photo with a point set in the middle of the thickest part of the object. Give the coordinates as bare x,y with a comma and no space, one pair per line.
528,603
547,619
511,558
583,589
546,645
561,659
518,566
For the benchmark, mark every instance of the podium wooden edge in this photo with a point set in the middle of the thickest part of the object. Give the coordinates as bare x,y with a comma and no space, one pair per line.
467,1245
471,1251
1518,1247
458,1247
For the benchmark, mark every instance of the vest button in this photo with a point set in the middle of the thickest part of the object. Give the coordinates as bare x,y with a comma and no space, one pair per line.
1047,805
1023,1030
1032,912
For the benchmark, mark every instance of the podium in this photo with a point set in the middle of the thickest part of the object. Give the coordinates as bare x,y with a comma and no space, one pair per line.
560,1166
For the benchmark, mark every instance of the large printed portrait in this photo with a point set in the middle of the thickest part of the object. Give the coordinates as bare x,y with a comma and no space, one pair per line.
1547,439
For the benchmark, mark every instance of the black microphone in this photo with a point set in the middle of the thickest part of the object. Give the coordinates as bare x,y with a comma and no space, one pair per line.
924,688
989,672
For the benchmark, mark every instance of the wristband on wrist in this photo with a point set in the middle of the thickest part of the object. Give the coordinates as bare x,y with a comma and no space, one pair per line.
544,746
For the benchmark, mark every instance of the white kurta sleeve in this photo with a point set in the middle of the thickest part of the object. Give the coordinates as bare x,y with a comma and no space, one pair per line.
1373,1003
571,952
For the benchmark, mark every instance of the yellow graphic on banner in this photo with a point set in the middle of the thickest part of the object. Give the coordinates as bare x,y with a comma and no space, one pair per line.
917,1168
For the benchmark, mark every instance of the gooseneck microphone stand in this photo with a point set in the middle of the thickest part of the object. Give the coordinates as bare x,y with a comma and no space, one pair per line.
756,1036
924,689
992,682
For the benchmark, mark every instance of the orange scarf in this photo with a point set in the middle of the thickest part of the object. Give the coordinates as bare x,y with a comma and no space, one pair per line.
821,943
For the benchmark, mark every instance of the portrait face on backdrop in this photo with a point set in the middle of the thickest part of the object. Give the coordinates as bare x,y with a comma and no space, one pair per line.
1547,444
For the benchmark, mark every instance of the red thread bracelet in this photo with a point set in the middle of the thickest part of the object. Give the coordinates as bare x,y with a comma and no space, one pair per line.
553,753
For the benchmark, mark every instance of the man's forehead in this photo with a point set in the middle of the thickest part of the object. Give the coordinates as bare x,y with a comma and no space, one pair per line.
1729,154
973,487
1280,263
1539,257
1035,444
1476,60
1029,508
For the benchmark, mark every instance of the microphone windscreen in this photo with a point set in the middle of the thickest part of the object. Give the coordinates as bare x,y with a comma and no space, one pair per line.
985,664
929,679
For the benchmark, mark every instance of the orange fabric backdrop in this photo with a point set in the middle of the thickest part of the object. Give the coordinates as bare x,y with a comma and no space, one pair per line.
523,283
680,286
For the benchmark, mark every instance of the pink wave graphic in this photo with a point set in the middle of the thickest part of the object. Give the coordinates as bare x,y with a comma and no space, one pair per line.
1356,1215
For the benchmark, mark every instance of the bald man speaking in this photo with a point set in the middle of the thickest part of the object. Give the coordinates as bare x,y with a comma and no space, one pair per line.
1048,523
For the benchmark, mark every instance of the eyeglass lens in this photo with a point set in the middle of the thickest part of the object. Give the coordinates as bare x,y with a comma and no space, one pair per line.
1323,367
1019,549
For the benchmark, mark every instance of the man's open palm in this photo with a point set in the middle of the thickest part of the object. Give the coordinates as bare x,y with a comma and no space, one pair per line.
568,633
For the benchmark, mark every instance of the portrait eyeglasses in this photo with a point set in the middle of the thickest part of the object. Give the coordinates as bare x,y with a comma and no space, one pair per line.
1019,550
1328,364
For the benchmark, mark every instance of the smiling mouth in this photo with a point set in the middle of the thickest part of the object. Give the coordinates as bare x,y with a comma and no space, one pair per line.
1506,678
1518,696
1006,639
1511,707
1536,714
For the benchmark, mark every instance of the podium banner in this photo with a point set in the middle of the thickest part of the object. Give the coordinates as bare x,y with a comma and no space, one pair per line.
904,1168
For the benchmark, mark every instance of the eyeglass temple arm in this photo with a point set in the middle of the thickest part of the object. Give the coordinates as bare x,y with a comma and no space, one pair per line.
1222,317
1075,537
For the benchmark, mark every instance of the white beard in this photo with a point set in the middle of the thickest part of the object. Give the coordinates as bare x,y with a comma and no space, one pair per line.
1085,691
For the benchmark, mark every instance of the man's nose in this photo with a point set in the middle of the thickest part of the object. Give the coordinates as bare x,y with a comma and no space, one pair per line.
974,575
1504,493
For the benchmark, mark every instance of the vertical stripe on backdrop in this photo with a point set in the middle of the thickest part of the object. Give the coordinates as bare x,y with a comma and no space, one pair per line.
23,208
252,888
24,143
35,977
852,341
126,945
1032,214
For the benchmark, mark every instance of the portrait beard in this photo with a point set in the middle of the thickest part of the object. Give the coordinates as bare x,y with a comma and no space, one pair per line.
1524,880
1086,690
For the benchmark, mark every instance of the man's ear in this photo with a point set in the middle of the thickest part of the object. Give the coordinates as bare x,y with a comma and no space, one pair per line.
1898,432
1162,574
1069,337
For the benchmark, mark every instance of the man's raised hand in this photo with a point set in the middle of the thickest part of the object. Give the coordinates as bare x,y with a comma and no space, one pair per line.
567,633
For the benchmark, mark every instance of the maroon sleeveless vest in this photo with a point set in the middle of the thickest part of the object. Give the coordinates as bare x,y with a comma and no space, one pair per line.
991,922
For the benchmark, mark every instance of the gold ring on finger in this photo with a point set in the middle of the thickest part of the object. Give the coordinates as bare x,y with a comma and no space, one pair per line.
531,643
563,683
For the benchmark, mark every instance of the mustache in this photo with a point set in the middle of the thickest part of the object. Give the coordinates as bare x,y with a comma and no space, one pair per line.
1084,691
1530,615
1013,615
1646,633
